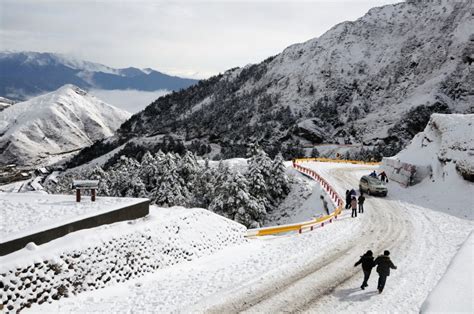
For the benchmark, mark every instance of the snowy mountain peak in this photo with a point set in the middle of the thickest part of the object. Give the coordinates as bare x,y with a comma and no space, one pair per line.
49,125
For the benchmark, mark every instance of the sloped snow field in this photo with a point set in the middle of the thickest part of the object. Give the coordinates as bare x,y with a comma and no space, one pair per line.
310,272
104,256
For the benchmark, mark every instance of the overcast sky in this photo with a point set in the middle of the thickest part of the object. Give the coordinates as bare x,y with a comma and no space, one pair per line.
187,38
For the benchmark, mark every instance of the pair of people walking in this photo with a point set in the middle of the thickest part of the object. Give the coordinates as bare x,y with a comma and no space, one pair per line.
353,203
383,263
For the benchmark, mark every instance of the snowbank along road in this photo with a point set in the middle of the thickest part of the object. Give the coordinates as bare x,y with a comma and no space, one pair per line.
422,243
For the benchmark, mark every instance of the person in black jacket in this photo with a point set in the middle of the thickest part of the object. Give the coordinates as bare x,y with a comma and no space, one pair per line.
367,261
384,264
348,199
361,203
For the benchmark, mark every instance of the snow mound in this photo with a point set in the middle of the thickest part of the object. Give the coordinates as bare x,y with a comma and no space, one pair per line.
448,138
446,148
56,123
95,258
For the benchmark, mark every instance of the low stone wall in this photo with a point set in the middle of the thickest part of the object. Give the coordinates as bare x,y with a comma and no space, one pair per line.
126,213
404,173
113,260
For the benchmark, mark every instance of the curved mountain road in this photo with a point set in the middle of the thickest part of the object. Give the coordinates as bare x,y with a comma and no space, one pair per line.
409,233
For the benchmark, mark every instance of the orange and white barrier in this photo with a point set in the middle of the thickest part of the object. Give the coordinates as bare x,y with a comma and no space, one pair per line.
345,161
311,224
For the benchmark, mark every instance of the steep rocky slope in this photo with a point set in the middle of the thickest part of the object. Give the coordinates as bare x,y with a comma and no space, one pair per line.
53,124
376,80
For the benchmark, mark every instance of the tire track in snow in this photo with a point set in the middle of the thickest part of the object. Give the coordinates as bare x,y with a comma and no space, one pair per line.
299,291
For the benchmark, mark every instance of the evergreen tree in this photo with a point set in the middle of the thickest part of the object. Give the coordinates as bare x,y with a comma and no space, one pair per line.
279,182
148,171
205,186
259,175
315,153
98,173
171,190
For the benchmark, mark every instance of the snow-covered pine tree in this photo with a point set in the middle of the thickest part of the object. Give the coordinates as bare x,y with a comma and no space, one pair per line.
124,172
98,173
171,189
234,201
279,185
188,169
148,171
259,176
205,185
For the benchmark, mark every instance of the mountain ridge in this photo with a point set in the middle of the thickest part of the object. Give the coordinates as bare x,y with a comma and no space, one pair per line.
375,81
23,74
55,123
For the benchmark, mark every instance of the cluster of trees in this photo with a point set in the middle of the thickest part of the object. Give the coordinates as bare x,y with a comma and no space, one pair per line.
171,180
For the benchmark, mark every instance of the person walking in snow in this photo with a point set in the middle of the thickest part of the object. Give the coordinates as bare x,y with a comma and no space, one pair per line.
383,176
354,207
353,192
361,201
325,205
384,264
373,174
348,199
367,261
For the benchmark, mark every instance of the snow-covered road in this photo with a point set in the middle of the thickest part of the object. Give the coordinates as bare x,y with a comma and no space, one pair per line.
422,243
309,272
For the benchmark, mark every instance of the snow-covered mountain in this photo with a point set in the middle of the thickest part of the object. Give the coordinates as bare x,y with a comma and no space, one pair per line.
23,74
44,127
375,80
5,103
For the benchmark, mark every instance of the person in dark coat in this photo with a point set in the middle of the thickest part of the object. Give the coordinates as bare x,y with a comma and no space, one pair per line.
348,199
383,176
361,201
354,207
353,192
373,174
325,205
367,261
384,264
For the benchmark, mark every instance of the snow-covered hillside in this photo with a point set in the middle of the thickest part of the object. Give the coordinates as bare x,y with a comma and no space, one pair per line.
5,103
375,80
95,258
62,121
